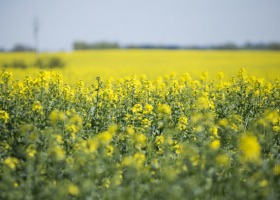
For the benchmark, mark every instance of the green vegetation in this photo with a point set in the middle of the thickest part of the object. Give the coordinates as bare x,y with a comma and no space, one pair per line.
137,138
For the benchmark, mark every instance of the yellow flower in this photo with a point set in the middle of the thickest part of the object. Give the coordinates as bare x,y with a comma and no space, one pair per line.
4,116
6,76
276,169
127,161
250,148
37,107
159,151
112,129
72,128
214,131
130,131
178,148
92,144
57,116
276,129
215,144
105,137
223,122
139,158
198,129
148,109
164,109
11,162
76,120
109,150
223,160
263,183
159,140
31,151
57,151
137,108
140,140
106,182
118,178
73,189
146,123
58,138
182,123
194,160
272,116
80,145
242,74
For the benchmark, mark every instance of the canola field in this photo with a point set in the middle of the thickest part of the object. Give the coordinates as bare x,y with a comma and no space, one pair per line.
87,65
194,135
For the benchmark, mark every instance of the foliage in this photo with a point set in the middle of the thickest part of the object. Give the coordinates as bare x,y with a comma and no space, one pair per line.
21,48
99,45
15,64
46,63
138,138
51,63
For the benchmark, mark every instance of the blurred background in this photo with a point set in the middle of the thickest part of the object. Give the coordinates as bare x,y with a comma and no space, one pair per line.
65,25
85,39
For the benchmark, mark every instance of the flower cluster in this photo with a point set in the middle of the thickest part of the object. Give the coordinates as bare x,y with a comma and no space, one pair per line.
136,138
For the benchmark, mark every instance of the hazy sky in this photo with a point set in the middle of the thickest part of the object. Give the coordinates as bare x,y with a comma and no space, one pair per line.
181,22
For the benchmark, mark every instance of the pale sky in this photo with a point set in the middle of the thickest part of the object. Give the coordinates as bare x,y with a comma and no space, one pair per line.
179,22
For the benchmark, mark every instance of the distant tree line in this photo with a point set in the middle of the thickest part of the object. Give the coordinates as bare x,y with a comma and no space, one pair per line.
19,48
42,63
80,45
226,46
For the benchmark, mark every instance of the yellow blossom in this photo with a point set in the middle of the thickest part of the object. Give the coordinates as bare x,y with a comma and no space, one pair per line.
137,108
276,129
164,109
214,131
178,148
4,116
92,144
127,161
250,148
223,122
109,150
263,183
140,140
148,109
73,189
215,144
146,123
57,151
105,137
106,182
182,123
159,140
223,160
11,162
71,128
118,178
31,151
58,138
15,184
37,107
57,116
112,129
130,130
276,169
140,159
